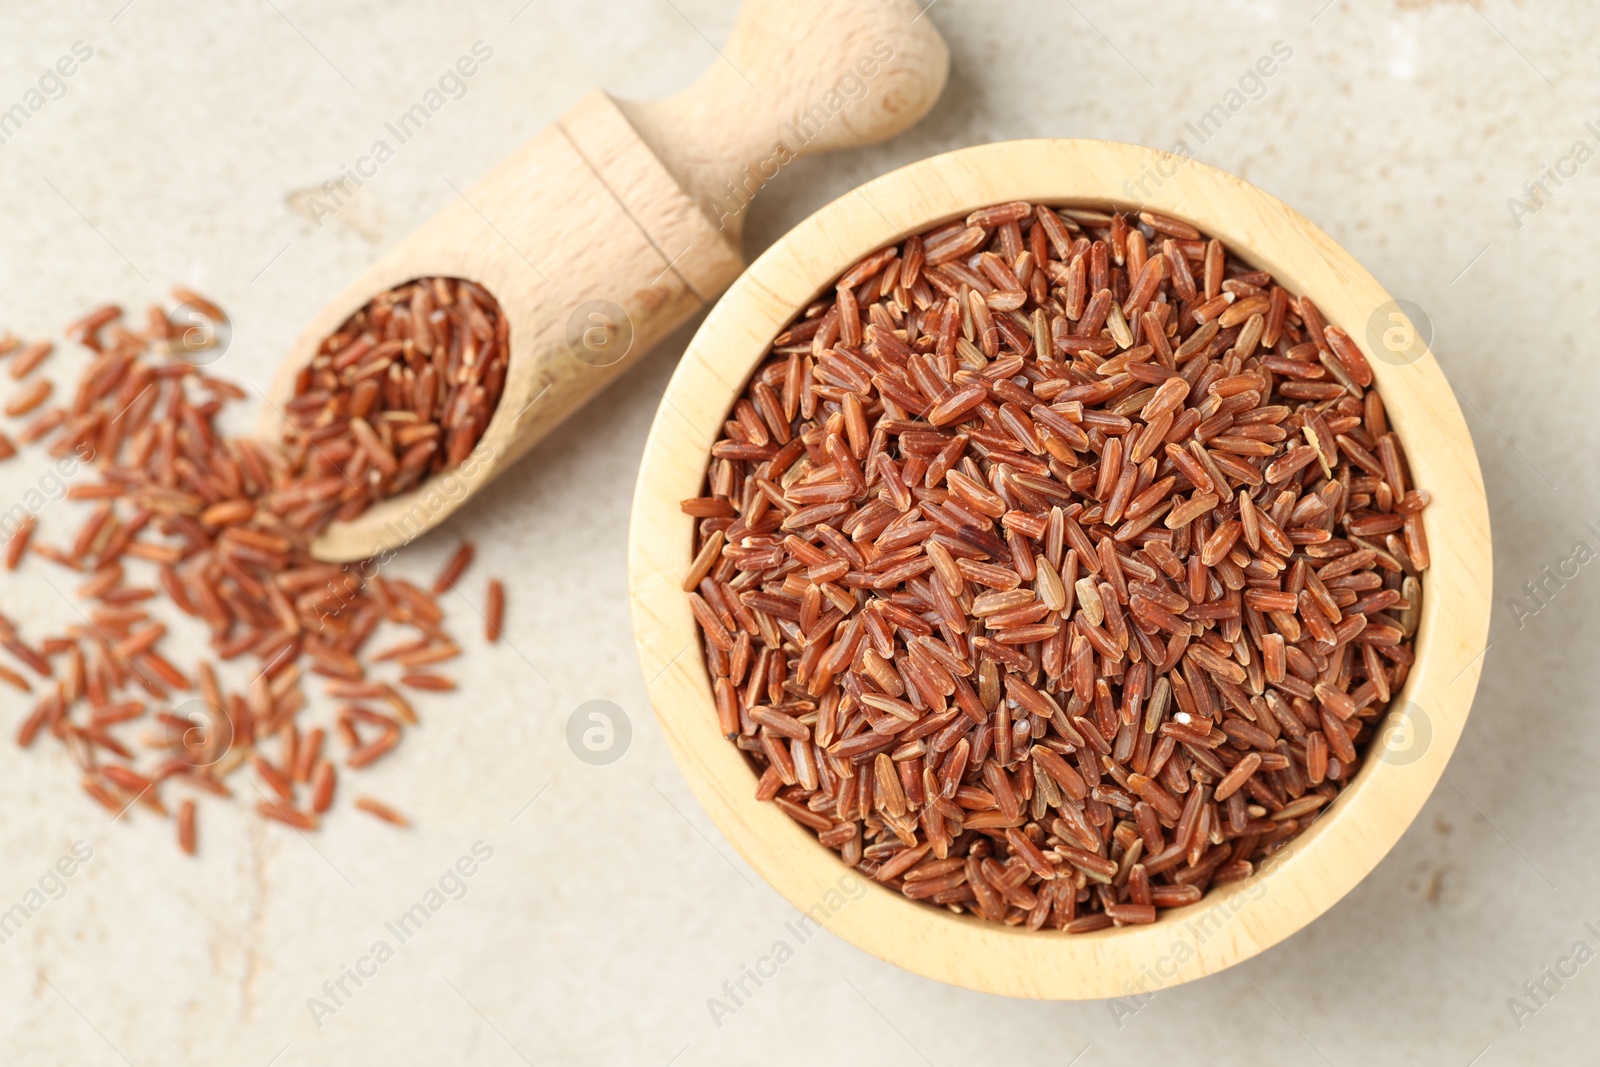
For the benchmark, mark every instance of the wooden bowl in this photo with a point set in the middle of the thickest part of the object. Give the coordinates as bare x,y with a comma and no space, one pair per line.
1233,922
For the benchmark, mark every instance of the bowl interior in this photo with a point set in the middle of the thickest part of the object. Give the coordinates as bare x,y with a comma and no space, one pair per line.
1230,923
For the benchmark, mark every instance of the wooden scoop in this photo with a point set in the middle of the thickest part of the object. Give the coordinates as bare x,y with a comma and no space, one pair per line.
605,232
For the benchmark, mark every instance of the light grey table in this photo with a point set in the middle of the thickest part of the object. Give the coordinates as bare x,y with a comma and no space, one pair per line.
187,149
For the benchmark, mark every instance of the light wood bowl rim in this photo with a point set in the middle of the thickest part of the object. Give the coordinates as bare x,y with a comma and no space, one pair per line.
1325,862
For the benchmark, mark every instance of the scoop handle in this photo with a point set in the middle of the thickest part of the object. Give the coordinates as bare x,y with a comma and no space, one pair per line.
610,229
797,77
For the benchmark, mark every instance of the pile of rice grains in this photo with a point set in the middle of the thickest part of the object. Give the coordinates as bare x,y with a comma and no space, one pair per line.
1056,566
221,527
